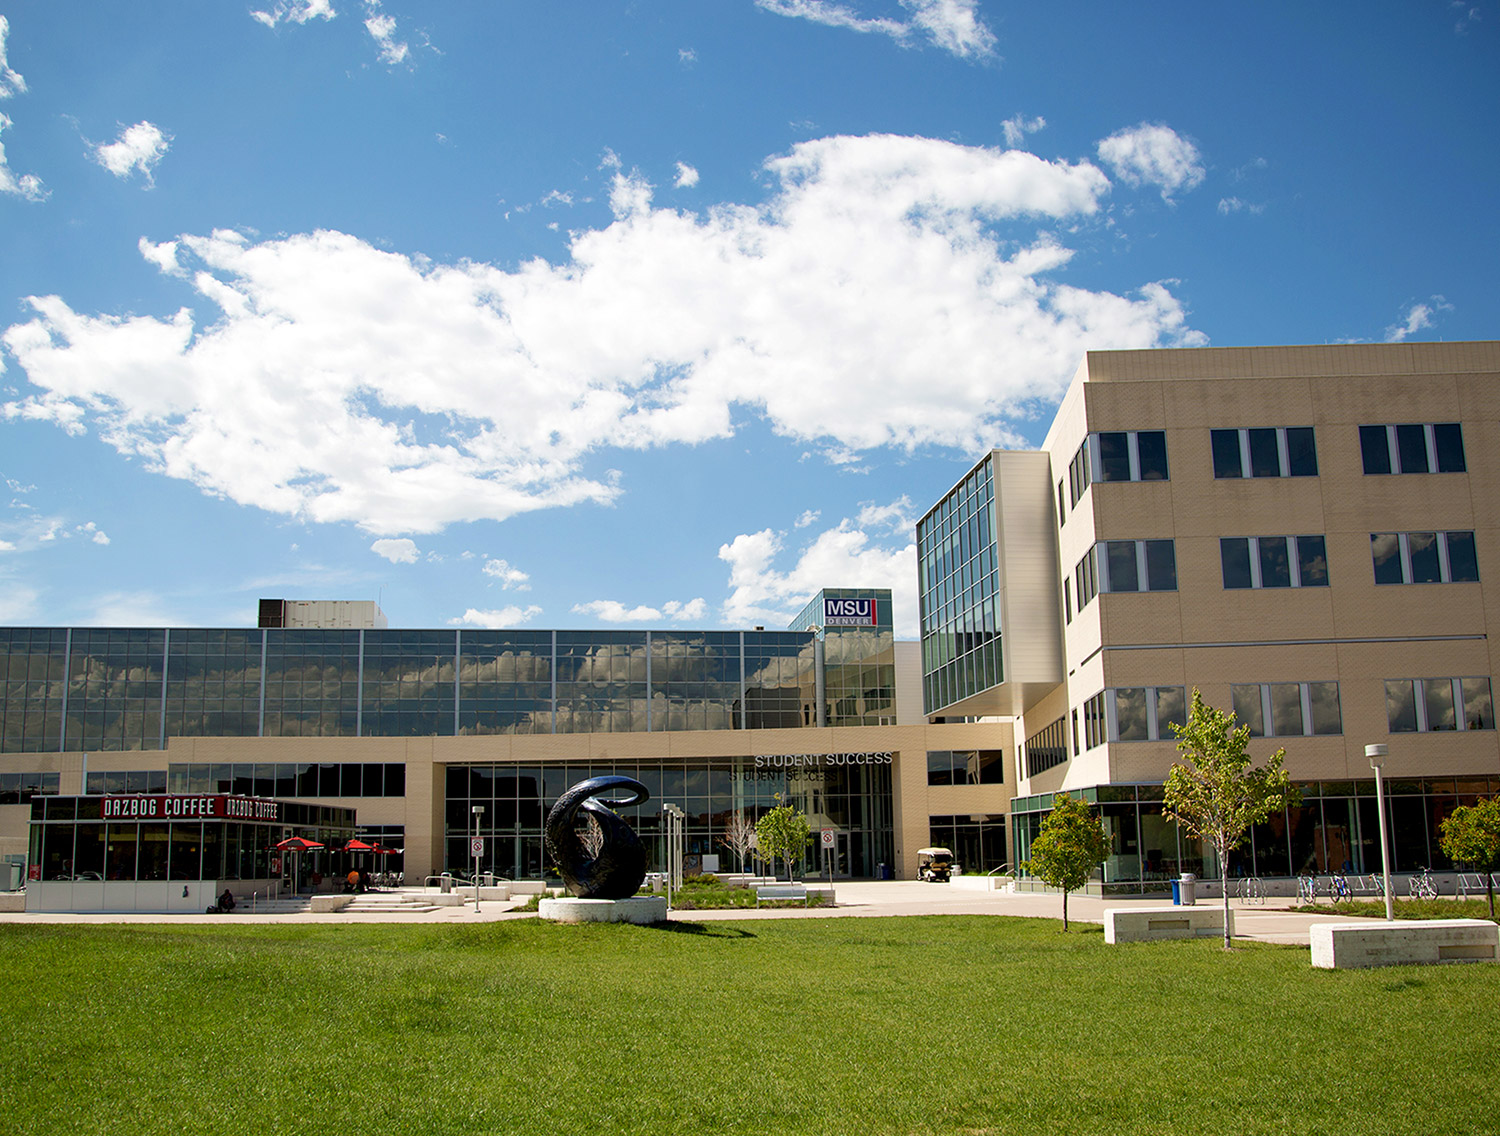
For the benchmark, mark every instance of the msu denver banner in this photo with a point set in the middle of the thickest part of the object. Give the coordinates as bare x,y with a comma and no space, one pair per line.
849,613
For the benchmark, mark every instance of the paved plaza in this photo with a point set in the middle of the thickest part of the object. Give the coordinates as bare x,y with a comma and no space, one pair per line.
1266,923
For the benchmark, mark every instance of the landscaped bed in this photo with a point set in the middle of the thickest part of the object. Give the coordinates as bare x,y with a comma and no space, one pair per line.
952,1024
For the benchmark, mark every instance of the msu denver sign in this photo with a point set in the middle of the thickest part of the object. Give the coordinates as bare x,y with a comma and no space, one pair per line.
848,613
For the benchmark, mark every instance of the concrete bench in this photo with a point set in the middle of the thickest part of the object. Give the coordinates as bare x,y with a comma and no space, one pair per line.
772,892
1147,924
1337,946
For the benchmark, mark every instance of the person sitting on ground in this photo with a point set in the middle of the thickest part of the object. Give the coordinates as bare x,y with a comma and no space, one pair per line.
226,900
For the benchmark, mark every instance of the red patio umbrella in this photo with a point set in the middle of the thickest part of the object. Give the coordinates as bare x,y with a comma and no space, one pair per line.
357,845
296,844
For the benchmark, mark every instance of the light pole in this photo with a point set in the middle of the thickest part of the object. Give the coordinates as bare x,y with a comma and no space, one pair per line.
1377,754
477,847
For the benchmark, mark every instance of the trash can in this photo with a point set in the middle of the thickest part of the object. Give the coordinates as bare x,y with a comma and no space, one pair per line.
1176,893
882,871
446,883
1189,895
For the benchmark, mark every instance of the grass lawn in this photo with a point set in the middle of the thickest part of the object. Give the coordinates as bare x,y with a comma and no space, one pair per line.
961,1024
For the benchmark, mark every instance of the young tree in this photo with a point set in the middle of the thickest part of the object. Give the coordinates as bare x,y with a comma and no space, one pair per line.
783,833
1217,795
1471,835
739,835
1071,844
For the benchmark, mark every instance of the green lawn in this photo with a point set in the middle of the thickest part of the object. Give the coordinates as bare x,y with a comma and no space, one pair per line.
960,1024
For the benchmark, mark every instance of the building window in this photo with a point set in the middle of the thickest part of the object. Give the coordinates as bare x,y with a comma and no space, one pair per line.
1274,561
1075,731
1424,558
1078,474
1126,566
1288,709
1415,448
1094,729
1421,705
965,767
1046,748
1273,451
1145,713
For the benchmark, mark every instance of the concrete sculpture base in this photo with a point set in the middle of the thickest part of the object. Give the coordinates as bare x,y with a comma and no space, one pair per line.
637,909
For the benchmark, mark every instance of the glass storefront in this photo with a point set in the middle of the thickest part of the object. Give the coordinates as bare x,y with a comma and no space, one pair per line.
1333,829
850,793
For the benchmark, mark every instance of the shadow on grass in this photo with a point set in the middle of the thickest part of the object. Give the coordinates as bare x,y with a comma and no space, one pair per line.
703,930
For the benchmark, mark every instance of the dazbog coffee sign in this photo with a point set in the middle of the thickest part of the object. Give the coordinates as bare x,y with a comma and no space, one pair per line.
849,613
190,806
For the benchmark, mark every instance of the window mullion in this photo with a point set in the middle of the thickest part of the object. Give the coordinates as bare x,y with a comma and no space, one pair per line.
1268,724
1445,573
1111,716
1304,692
1430,438
1246,470
1133,452
1142,584
1460,722
1404,541
1395,454
1283,461
1255,580
1419,703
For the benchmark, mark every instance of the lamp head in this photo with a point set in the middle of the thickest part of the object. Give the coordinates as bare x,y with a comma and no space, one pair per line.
1376,753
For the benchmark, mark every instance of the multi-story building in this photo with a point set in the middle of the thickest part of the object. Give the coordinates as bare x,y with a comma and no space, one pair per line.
1307,535
415,729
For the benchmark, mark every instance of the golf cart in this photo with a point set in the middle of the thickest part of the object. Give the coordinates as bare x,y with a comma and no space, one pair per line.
934,865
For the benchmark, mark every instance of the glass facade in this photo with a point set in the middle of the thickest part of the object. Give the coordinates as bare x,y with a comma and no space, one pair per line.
847,792
958,584
122,689
1334,828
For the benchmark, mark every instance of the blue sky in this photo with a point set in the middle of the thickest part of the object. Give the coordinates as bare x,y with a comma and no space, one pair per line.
659,313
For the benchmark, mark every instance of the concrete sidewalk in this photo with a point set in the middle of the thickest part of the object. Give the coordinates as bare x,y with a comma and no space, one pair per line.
1266,923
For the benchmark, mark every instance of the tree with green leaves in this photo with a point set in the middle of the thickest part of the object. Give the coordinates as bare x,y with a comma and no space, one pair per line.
782,833
1070,845
1471,835
1217,795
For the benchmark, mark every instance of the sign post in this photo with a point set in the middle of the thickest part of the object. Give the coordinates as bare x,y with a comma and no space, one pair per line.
828,839
476,846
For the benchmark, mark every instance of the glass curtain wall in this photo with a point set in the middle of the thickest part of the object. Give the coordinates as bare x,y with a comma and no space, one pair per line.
1333,829
958,583
853,799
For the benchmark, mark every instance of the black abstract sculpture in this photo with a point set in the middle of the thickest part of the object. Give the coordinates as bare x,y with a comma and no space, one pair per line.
616,870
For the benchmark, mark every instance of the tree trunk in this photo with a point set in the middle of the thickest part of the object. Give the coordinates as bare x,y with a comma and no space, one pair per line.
1065,909
1224,884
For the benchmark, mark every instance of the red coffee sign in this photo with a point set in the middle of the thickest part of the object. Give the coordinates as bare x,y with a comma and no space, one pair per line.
190,806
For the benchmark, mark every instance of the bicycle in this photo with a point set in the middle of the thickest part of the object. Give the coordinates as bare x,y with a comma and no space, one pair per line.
1423,886
1338,888
1307,890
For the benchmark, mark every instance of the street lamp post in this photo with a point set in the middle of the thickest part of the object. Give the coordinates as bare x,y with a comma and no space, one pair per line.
1377,754
478,811
675,817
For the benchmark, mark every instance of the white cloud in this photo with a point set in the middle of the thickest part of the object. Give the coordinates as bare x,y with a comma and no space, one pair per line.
1417,317
687,176
401,551
334,381
846,556
19,603
951,25
499,618
295,12
93,532
7,546
809,517
612,611
11,82
1228,205
382,29
509,576
131,609
687,56
28,186
1150,154
139,147
1018,126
